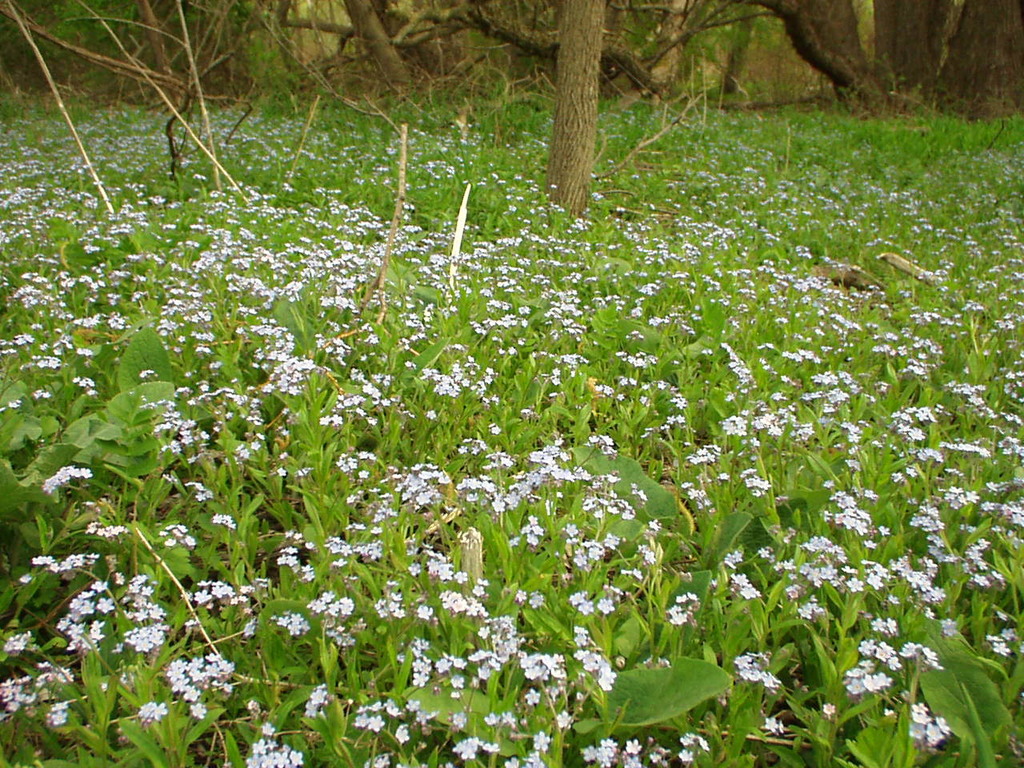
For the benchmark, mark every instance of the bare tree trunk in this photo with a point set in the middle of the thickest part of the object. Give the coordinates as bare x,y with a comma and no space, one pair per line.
909,41
736,59
369,27
984,71
571,159
825,34
154,35
666,70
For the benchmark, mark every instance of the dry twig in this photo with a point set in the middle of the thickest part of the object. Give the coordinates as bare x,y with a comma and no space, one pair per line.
302,140
648,141
460,228
27,33
377,286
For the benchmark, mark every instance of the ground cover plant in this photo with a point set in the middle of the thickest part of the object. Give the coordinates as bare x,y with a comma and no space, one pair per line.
649,488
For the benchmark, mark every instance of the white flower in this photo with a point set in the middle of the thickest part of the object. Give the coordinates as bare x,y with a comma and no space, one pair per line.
152,712
63,476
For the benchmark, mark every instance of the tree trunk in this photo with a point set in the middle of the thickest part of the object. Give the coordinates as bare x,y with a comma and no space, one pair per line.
909,41
154,36
824,33
370,29
571,158
736,58
984,71
672,25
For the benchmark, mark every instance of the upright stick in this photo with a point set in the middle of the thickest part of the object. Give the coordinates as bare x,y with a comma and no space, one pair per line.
378,284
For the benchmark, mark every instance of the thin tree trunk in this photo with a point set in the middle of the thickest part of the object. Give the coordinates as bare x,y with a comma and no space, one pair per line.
666,70
369,27
736,59
571,159
154,35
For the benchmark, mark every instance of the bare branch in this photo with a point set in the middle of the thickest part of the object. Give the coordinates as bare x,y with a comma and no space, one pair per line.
378,285
27,34
134,70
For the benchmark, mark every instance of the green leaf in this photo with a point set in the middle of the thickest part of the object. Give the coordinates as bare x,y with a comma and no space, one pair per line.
628,636
961,685
647,696
713,319
293,317
986,756
661,503
48,461
727,532
442,703
145,743
873,747
136,405
426,358
145,352
15,496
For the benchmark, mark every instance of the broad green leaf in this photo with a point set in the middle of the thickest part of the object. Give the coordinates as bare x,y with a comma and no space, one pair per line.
427,357
144,353
945,691
647,696
88,431
697,584
713,319
727,532
962,676
48,461
627,636
982,740
295,318
15,495
136,405
873,747
442,703
661,503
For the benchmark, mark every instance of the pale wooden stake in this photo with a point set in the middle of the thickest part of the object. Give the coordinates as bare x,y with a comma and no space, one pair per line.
460,227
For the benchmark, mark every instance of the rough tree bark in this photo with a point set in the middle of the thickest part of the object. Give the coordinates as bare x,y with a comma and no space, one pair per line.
571,158
984,71
370,29
154,35
736,58
909,41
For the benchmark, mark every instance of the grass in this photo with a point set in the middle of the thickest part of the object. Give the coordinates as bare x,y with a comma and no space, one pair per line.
644,489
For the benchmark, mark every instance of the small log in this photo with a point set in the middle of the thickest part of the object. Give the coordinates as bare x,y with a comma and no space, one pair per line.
847,276
907,267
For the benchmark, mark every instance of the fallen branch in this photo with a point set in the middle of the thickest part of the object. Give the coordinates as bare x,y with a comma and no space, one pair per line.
907,267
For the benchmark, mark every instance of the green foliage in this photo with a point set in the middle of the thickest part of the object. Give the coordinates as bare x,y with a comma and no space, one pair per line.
714,495
649,696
